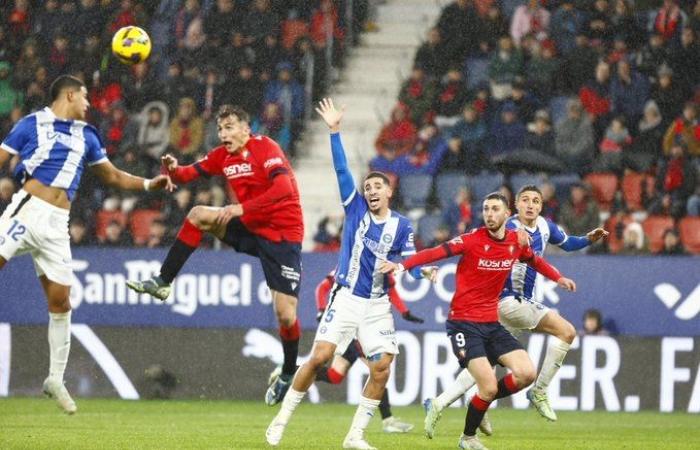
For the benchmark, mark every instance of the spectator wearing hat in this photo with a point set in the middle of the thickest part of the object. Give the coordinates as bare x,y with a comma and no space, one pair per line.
154,133
465,142
685,130
565,25
507,133
668,95
645,150
540,136
286,92
573,138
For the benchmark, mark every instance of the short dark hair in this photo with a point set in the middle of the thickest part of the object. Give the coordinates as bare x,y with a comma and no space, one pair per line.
61,83
377,174
497,196
231,110
529,188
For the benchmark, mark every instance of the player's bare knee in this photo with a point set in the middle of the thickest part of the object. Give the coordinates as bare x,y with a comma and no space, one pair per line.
380,373
195,216
286,317
488,391
59,304
524,375
567,332
320,356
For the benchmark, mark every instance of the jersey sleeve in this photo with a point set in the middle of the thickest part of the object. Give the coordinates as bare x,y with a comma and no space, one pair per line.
94,148
458,245
211,163
408,245
557,235
526,254
511,224
274,162
19,135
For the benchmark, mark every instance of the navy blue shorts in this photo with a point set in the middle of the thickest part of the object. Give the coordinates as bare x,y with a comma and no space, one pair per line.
474,339
281,261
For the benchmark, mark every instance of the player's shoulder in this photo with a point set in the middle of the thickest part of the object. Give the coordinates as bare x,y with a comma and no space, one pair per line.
259,143
26,123
403,220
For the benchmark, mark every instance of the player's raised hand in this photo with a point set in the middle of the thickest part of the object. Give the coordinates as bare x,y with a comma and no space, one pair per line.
161,182
567,283
169,162
227,213
429,273
597,234
388,267
330,114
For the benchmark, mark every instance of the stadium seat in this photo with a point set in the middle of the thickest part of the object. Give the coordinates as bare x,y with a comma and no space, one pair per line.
483,184
140,222
690,234
654,228
614,239
476,71
523,179
104,218
447,186
633,187
427,225
557,108
604,187
415,190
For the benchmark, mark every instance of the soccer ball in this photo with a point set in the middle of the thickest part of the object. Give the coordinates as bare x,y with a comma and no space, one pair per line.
131,45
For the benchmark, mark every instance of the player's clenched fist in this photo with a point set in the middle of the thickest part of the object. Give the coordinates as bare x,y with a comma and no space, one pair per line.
567,283
597,234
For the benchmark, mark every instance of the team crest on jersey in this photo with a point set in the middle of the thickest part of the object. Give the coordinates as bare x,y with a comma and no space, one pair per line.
387,238
456,240
511,248
487,247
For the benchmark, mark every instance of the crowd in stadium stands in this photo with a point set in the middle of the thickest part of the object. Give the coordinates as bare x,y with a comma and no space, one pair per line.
270,57
595,101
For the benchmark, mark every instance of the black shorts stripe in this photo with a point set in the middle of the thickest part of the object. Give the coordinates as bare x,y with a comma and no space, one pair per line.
335,290
21,204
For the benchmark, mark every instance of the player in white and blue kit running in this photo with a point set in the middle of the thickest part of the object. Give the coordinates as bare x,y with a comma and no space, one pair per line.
359,304
53,146
518,310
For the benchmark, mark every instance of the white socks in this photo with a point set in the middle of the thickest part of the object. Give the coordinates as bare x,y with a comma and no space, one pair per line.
456,390
556,352
59,343
289,404
365,412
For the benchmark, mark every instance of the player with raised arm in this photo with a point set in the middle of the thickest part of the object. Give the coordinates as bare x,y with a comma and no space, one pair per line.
518,310
53,146
359,306
478,340
342,363
267,224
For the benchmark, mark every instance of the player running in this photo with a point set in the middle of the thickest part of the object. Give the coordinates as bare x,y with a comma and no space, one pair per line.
267,223
341,363
518,311
478,340
53,145
359,305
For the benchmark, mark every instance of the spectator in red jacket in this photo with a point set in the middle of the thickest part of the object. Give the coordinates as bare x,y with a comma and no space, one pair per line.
398,136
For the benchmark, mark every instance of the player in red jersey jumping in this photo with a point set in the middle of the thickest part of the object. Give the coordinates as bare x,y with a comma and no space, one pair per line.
266,222
478,340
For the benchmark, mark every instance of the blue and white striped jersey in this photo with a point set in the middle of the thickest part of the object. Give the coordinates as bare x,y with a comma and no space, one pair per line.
52,150
521,282
366,243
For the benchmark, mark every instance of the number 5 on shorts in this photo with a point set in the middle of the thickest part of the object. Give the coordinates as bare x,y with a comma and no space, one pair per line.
329,315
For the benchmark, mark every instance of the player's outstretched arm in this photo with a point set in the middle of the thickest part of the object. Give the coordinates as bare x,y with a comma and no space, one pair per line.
332,117
111,176
178,173
542,266
597,234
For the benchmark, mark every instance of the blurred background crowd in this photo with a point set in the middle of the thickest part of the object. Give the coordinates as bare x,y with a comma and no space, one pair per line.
595,101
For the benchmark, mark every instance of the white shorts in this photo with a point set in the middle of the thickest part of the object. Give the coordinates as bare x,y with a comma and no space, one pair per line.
31,225
520,315
369,320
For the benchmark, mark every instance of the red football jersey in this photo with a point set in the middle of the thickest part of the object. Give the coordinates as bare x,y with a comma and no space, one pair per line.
250,173
481,273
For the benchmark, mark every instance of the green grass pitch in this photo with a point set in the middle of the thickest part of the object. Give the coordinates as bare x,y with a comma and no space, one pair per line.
31,423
